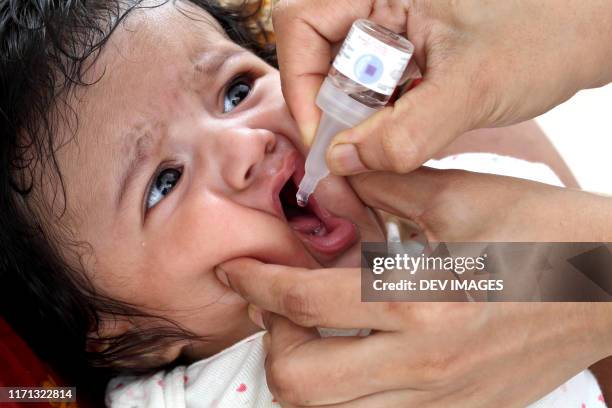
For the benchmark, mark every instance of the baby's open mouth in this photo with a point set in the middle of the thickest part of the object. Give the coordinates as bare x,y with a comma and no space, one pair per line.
322,231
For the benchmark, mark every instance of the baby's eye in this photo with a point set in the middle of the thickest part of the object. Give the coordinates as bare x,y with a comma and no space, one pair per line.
162,186
235,94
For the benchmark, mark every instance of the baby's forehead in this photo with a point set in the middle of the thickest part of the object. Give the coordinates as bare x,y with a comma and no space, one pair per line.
171,21
154,52
141,74
150,39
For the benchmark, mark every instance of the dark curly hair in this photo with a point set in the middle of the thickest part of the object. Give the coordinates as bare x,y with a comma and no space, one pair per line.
46,46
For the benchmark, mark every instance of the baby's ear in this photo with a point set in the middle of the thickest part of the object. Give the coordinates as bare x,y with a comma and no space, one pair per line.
109,327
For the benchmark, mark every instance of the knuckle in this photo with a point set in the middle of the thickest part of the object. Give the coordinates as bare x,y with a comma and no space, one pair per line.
439,369
466,315
284,381
441,366
428,316
298,305
448,203
399,145
397,310
278,12
283,12
281,8
483,105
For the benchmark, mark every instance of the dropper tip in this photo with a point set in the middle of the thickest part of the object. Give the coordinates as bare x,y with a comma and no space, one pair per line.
302,198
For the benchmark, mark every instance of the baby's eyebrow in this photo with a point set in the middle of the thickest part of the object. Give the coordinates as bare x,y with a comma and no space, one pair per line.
140,141
211,62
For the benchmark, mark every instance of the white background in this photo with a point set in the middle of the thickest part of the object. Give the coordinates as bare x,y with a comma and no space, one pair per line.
581,130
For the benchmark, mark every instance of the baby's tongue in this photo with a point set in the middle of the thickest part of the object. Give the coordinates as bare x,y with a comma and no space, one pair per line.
306,224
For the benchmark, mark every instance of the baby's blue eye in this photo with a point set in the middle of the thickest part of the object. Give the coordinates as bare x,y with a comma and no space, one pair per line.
235,94
162,186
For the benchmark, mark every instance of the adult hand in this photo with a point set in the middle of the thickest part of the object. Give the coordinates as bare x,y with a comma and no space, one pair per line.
430,354
485,64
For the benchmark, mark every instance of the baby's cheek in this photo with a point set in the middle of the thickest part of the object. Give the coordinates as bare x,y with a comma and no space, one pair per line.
271,241
243,232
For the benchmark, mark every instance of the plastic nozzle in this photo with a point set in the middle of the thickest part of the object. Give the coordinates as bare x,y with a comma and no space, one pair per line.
304,192
316,164
306,188
309,184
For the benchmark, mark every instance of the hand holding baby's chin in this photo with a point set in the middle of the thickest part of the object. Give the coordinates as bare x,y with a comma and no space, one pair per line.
443,350
419,353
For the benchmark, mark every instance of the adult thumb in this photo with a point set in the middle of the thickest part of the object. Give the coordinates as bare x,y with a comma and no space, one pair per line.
400,138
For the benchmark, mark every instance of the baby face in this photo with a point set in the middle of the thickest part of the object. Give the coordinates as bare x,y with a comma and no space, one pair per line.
186,157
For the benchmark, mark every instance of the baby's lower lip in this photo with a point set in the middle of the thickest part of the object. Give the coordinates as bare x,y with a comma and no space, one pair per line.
323,232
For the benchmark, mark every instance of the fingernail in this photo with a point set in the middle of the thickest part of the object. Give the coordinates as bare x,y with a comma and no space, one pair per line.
222,276
308,134
344,160
256,316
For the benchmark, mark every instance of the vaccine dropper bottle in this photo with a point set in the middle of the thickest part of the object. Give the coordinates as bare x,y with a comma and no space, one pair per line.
361,80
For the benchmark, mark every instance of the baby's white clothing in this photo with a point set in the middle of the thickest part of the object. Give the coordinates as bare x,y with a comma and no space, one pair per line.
236,376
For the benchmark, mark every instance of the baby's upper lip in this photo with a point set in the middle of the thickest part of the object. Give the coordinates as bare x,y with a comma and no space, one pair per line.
289,167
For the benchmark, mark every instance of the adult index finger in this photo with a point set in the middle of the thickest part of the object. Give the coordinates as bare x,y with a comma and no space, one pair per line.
309,298
404,195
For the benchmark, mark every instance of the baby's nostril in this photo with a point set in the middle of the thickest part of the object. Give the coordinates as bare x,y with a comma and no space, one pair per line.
247,175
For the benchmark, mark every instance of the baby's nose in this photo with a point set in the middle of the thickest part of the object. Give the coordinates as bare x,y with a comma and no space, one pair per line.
243,152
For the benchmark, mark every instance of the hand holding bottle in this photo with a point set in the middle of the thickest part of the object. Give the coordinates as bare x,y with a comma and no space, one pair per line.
362,79
484,64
